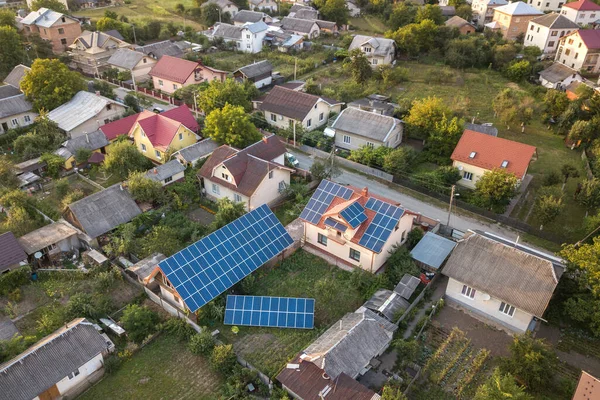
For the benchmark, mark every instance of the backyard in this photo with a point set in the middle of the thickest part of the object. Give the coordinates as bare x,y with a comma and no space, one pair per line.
50,201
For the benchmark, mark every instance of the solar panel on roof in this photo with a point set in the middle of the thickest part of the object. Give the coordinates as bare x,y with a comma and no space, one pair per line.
322,199
335,224
207,268
354,214
382,225
274,312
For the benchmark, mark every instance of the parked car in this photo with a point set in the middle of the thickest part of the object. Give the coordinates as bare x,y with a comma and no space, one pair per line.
291,159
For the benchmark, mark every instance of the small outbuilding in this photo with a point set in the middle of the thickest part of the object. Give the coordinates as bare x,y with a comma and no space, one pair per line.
12,254
432,251
386,303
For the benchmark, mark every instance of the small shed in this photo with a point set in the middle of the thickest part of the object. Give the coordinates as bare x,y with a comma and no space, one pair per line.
94,257
407,286
432,251
386,303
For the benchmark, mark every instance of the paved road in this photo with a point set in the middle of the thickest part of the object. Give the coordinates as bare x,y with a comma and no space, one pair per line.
394,192
122,92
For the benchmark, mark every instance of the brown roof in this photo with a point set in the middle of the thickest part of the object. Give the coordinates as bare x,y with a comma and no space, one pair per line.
307,382
490,152
290,103
173,69
11,252
588,387
457,22
504,272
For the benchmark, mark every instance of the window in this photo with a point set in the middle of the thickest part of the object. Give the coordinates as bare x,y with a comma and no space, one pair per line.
322,239
370,145
14,122
108,107
180,136
346,139
547,4
374,61
160,82
216,189
467,176
144,60
273,117
473,154
468,292
168,179
582,16
367,49
270,174
143,148
157,153
593,15
106,121
226,177
550,44
554,33
531,28
237,198
73,374
507,309
27,118
174,87
538,30
248,46
355,255
281,186
63,19
504,164
576,55
63,41
309,123
321,116
403,236
61,31
570,41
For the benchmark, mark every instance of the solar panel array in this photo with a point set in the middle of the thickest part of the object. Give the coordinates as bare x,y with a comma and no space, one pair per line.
322,199
335,224
407,286
274,312
382,225
207,268
354,214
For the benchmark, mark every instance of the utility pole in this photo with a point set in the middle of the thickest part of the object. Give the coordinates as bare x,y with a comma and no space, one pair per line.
133,80
294,134
295,66
196,103
134,39
450,207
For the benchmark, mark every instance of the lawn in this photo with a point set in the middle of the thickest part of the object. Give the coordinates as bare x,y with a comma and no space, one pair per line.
164,369
301,275
368,24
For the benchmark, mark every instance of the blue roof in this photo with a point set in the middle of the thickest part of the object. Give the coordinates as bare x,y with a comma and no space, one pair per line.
432,250
257,27
207,268
275,312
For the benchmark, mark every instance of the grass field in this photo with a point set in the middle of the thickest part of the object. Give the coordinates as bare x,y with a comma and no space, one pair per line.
368,24
164,369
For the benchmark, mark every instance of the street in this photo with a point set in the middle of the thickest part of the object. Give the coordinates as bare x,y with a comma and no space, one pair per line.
122,92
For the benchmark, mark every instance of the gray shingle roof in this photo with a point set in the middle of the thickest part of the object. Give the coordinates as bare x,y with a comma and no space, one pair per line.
368,104
366,124
557,72
381,46
8,91
16,75
555,21
14,105
164,48
82,107
144,268
291,103
91,141
244,16
387,303
256,69
125,58
432,250
297,25
504,272
50,360
307,13
227,31
487,129
11,251
198,150
166,170
104,211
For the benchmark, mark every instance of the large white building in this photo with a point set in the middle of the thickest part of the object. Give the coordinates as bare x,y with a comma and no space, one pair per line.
580,50
547,5
582,12
545,32
483,10
247,38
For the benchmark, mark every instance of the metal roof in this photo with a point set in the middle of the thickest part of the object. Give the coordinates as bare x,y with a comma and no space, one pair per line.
432,250
91,141
366,124
387,303
81,108
44,17
16,75
197,151
381,46
164,171
126,58
14,105
256,69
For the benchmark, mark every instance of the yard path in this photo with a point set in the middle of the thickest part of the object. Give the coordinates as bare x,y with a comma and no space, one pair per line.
438,293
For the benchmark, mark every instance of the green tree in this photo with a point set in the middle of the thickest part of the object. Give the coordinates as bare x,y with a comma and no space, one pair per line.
202,343
50,84
324,170
144,189
501,386
124,158
82,155
53,5
228,211
222,358
518,71
358,65
336,11
132,103
510,108
211,13
105,89
468,51
465,12
399,161
14,198
8,179
161,239
547,208
569,171
54,163
13,52
72,197
530,361
370,156
589,194
583,263
217,94
430,12
414,237
392,393
139,322
582,130
504,54
403,14
496,188
424,114
231,125
555,102
7,18
417,38
443,139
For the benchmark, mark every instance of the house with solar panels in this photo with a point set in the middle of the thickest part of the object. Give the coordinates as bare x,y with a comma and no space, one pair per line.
353,226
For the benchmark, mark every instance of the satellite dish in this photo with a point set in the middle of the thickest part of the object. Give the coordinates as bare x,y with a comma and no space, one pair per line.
38,255
460,167
485,297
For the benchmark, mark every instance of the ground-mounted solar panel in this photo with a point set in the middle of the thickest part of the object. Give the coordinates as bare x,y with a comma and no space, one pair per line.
382,225
321,200
273,312
354,214
207,268
335,224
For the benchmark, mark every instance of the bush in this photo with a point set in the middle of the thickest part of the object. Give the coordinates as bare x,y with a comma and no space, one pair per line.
105,279
72,197
15,295
413,238
111,364
178,328
553,178
139,322
61,188
202,343
14,279
406,350
222,358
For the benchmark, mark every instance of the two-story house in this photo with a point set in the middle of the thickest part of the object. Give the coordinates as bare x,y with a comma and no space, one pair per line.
483,10
477,153
247,38
547,5
244,17
355,128
254,176
580,50
355,227
135,62
58,29
90,51
170,74
284,107
260,73
545,32
582,12
514,18
15,110
379,51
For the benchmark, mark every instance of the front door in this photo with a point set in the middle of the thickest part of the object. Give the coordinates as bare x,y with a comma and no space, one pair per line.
4,126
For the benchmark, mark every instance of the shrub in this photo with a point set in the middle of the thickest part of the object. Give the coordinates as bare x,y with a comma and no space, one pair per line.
407,350
112,364
139,322
178,328
72,197
202,343
553,178
413,238
15,295
14,279
61,188
222,358
104,280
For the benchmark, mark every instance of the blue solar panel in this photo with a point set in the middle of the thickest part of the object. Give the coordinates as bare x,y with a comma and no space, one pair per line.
218,261
354,214
382,225
335,224
322,199
274,312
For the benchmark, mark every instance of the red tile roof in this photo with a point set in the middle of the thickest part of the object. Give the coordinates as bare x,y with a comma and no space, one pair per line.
583,5
174,69
491,151
159,130
184,115
590,37
123,126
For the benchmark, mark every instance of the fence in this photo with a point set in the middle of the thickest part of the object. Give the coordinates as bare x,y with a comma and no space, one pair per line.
586,163
150,92
417,300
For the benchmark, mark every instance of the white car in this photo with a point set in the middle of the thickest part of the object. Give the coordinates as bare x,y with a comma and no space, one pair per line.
292,160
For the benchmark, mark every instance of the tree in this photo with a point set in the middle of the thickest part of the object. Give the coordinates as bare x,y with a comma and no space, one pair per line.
54,163
53,5
589,193
50,84
161,239
468,51
125,158
139,322
202,343
518,71
217,94
414,39
222,358
424,114
19,221
465,12
582,131
430,12
583,263
569,171
212,13
392,393
414,237
555,102
132,103
72,197
82,155
358,65
8,179
511,109
325,170
399,161
228,211
45,136
105,89
369,156
7,18
443,139
501,386
336,11
530,361
12,52
144,189
496,188
503,54
232,126
548,207
403,14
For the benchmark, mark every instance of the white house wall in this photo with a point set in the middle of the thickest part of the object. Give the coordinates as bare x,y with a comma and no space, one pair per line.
356,141
20,120
223,192
268,190
85,371
398,237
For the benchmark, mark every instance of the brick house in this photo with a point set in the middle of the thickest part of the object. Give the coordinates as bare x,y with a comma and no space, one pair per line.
58,29
514,18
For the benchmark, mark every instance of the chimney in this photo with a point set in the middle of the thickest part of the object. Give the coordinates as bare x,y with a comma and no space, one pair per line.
87,138
97,93
121,187
365,192
264,139
155,171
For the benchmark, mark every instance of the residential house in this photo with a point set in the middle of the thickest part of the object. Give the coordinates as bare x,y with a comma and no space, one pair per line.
477,153
96,142
559,76
582,12
432,251
284,107
103,211
58,29
327,26
85,112
15,76
545,32
136,62
248,38
263,5
15,110
90,51
506,285
353,8
588,387
61,365
260,73
170,74
547,5
580,50
244,17
514,18
284,42
302,27
303,12
375,103
355,227
483,10
50,240
379,51
190,155
355,128
12,254
487,129
164,48
226,6
254,176
29,174
167,173
463,26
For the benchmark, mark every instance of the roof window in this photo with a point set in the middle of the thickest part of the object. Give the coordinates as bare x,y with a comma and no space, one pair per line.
472,155
504,164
